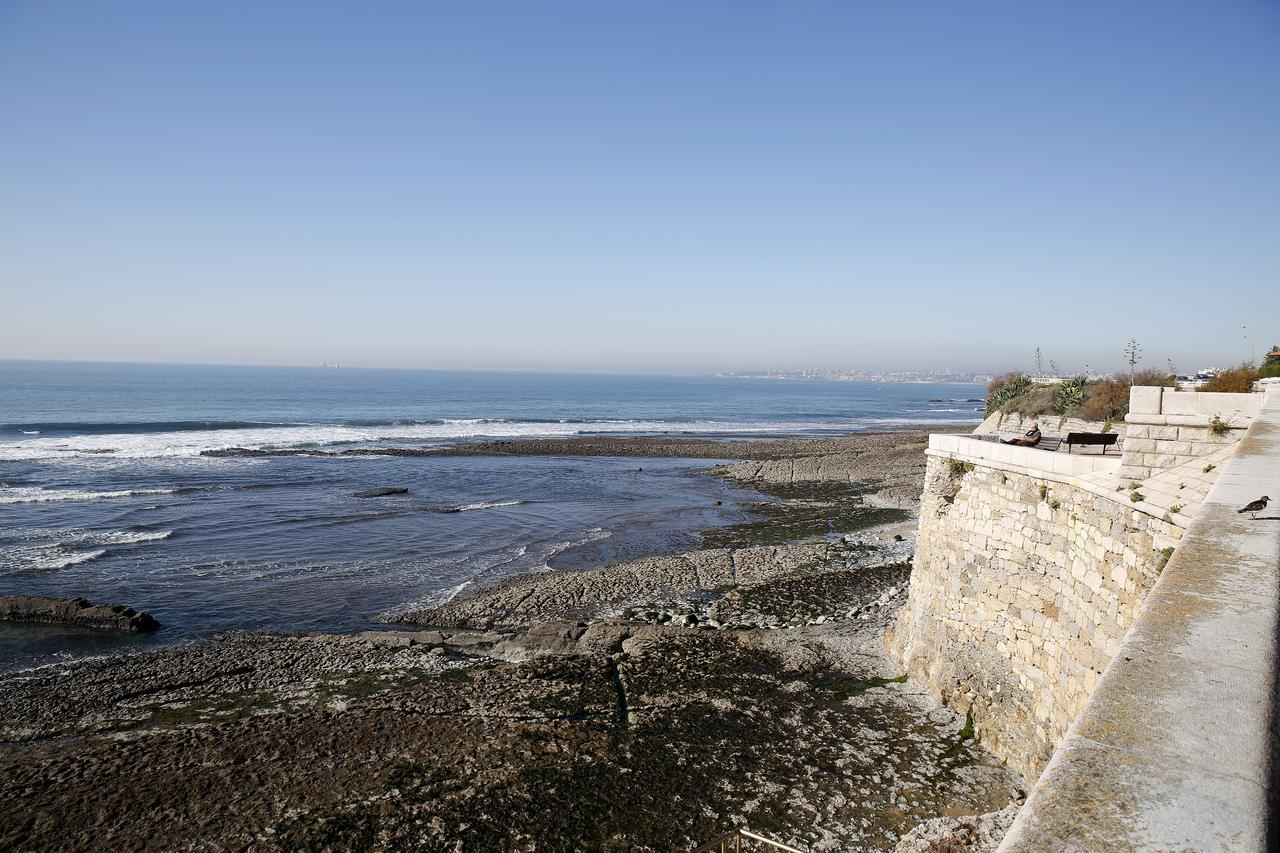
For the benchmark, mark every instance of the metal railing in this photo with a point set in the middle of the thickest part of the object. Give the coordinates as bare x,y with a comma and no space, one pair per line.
731,842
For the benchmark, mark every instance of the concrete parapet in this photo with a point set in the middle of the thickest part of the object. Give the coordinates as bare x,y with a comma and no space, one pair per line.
1167,428
963,446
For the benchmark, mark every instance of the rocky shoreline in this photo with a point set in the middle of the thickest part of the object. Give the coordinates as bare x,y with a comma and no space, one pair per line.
642,706
43,609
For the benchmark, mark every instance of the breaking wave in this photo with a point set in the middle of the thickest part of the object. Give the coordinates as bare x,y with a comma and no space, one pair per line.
163,440
59,548
35,494
482,505
46,557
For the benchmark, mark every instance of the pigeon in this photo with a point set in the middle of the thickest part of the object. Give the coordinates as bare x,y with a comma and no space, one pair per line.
1256,507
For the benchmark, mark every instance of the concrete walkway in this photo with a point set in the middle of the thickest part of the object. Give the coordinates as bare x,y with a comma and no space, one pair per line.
1175,749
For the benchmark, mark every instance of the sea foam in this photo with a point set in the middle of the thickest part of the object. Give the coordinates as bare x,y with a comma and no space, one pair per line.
482,505
34,494
46,557
192,443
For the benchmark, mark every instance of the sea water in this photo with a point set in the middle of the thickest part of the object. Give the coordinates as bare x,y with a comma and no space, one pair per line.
105,493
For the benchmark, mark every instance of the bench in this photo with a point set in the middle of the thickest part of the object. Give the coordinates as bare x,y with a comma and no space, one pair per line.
1095,439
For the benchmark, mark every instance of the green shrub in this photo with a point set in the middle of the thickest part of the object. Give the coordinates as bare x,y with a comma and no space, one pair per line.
959,467
1033,403
1103,400
1165,555
1177,508
1069,396
1005,388
1270,369
1136,496
1218,426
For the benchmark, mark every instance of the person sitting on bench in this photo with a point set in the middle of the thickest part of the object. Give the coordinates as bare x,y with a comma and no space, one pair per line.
1031,439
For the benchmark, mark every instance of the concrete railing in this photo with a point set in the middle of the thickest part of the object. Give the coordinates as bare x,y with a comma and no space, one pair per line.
1176,747
1167,428
967,448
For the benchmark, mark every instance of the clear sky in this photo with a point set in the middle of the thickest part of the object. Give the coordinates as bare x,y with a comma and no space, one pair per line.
647,186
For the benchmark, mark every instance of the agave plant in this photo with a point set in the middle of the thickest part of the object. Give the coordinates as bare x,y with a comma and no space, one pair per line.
1005,388
1070,395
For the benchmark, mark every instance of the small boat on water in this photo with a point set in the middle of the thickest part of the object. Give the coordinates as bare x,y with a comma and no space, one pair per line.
31,432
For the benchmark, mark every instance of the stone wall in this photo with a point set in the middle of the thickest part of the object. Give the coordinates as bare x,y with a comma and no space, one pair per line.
1023,587
1053,426
1176,748
1168,428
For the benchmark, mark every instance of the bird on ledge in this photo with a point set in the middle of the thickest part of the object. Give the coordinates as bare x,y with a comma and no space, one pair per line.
1256,507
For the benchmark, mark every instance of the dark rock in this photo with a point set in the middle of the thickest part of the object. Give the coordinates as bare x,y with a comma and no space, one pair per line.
74,611
381,493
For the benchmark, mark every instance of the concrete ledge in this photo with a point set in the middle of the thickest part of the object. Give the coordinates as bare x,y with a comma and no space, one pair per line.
1026,458
1174,748
1145,401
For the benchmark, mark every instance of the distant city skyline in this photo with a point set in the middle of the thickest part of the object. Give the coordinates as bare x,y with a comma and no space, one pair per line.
689,188
925,374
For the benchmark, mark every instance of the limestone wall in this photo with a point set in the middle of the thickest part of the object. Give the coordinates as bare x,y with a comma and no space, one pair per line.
1023,587
1053,426
1168,428
1176,748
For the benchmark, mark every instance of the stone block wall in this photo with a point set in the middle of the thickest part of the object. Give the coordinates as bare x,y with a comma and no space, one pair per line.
1022,590
1167,428
1053,426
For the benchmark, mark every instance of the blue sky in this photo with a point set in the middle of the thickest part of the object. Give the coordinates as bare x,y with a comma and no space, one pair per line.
655,186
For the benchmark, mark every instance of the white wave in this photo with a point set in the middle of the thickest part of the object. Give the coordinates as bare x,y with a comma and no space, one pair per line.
444,596
79,537
133,537
192,443
595,534
46,557
483,505
35,494
430,601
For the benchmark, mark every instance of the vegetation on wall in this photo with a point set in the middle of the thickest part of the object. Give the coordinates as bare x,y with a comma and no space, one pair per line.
1070,395
1005,388
1099,400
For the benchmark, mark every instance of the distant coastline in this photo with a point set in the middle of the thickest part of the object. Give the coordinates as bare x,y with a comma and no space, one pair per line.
920,378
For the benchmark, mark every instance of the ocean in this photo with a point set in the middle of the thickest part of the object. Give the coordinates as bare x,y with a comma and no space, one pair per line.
104,492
